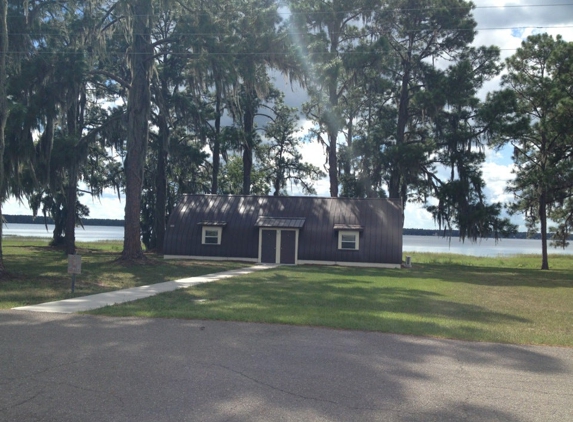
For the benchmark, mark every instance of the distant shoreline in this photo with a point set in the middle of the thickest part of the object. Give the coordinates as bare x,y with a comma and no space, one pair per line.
28,219
456,233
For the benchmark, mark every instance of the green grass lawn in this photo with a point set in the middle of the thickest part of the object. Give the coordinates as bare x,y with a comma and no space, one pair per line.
480,299
37,273
506,299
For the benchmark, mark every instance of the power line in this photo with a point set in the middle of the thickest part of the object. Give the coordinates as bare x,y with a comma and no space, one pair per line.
206,54
412,9
211,34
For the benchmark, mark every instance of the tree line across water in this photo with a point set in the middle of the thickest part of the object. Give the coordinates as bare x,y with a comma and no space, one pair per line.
28,219
158,98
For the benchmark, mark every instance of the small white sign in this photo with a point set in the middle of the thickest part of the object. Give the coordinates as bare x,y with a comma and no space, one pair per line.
74,264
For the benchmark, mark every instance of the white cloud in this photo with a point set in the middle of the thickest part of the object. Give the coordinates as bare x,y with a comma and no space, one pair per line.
13,207
314,153
416,217
107,206
496,177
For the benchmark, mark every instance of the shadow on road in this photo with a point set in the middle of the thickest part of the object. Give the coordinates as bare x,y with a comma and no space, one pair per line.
88,368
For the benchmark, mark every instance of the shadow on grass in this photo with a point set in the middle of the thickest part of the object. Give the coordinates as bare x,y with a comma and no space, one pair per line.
488,276
456,273
38,274
362,300
327,298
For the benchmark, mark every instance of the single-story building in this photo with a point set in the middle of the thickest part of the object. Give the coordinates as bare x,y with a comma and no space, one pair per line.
286,230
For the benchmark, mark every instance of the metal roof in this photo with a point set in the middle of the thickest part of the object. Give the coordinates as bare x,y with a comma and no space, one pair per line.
212,223
280,222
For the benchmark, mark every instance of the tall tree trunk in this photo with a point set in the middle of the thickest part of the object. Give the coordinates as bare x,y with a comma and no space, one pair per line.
74,125
544,150
347,161
45,145
332,128
3,110
248,125
543,222
279,172
138,110
333,164
71,199
395,186
216,142
161,185
332,120
277,186
160,182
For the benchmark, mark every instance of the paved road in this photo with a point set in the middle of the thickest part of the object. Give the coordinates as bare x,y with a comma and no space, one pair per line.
56,367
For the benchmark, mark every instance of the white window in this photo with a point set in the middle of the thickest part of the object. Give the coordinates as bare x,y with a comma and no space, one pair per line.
348,240
211,235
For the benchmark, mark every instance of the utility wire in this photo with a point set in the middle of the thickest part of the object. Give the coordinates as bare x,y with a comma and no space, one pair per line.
396,9
213,34
214,54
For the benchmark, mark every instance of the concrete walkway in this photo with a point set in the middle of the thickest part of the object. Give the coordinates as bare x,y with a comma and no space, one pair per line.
87,303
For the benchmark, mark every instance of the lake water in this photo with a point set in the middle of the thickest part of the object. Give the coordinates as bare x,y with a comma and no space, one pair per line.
86,234
487,247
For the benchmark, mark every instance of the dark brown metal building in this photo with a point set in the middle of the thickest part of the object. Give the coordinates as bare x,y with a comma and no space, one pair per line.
287,230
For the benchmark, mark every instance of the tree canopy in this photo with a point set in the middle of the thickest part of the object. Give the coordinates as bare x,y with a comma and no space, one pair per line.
539,79
158,98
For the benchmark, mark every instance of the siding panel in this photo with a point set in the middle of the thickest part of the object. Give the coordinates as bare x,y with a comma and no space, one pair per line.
380,240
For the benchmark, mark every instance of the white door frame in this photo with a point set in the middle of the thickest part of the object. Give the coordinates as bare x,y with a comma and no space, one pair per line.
278,243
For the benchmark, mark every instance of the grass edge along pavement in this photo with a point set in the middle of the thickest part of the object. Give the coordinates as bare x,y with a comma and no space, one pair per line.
502,299
37,273
88,303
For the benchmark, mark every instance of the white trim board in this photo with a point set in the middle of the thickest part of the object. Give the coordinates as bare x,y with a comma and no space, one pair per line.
210,258
299,261
349,264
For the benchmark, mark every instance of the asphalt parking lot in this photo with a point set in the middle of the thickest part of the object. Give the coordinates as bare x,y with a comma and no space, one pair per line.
56,367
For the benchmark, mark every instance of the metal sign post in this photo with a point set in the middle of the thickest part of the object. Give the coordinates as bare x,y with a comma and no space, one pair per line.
74,267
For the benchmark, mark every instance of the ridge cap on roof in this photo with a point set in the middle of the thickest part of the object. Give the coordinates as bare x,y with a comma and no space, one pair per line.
285,197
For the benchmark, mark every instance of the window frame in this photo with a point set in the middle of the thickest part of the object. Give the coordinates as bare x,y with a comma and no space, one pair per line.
204,236
356,235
